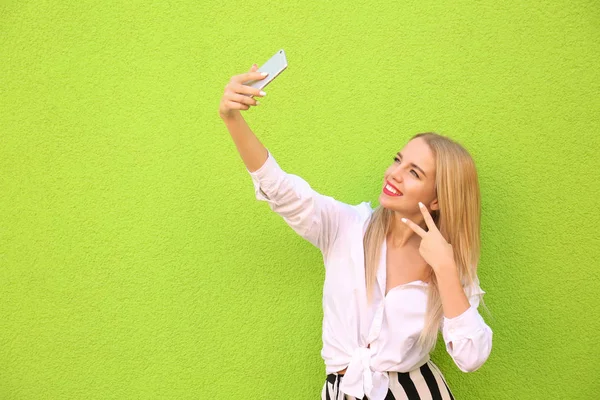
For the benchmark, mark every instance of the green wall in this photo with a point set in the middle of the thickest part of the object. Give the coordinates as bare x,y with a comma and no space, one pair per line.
135,262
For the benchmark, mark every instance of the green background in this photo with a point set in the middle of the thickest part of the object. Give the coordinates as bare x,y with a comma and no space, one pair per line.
135,262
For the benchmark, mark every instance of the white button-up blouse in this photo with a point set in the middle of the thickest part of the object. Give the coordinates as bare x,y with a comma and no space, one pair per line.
391,324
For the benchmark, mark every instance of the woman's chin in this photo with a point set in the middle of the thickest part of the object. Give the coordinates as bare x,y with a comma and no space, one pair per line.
388,202
385,200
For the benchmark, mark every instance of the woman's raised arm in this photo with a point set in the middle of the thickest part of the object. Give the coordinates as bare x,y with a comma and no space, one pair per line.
315,217
239,97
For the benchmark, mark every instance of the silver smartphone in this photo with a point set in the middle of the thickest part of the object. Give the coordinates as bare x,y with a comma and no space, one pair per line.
274,66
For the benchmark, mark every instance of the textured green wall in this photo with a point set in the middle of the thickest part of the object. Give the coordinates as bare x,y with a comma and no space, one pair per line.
135,262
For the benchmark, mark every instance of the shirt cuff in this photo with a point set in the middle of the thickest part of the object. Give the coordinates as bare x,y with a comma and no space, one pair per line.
266,169
462,326
266,178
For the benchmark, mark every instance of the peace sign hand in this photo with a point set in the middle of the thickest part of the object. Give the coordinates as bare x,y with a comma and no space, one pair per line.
434,249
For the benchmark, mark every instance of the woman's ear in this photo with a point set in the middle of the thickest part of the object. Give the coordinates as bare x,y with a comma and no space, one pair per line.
434,204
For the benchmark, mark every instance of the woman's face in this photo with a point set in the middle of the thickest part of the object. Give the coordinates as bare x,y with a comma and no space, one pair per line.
413,174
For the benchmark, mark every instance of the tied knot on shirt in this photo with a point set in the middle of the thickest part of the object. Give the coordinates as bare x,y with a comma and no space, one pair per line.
359,379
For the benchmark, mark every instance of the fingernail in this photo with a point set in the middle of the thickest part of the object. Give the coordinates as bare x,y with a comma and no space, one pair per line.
258,103
262,93
403,219
264,73
421,204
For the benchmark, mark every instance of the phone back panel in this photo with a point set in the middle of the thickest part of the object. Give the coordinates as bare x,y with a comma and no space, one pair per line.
274,66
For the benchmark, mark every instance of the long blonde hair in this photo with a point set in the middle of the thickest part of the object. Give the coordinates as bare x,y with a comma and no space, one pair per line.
458,220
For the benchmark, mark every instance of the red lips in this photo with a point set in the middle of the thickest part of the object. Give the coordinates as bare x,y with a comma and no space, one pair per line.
390,193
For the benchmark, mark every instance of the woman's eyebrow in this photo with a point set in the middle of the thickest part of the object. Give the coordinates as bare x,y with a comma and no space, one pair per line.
414,165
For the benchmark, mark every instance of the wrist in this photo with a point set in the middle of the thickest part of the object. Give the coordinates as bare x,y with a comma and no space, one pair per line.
231,116
448,270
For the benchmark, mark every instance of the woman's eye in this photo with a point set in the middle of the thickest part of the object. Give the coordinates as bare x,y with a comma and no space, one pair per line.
412,170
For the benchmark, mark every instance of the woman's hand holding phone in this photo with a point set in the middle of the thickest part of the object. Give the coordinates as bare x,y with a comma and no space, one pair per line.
238,96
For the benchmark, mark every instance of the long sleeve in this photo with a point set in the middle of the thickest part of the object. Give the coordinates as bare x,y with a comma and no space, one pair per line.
467,337
314,216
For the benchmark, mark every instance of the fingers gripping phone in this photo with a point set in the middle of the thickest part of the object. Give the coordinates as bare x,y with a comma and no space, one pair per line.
274,66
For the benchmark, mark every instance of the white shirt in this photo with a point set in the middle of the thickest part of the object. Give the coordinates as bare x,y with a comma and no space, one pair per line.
393,322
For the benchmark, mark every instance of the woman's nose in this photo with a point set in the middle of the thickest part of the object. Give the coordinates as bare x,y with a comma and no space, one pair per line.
396,175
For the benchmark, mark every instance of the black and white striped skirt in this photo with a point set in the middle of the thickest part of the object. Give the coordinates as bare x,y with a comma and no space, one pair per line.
424,383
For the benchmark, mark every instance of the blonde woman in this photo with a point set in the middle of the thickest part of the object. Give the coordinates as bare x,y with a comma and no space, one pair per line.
396,275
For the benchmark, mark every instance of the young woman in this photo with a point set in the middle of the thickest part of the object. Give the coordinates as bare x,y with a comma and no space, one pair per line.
395,275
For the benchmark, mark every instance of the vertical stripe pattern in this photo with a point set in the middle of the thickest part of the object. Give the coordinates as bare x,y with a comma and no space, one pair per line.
424,383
